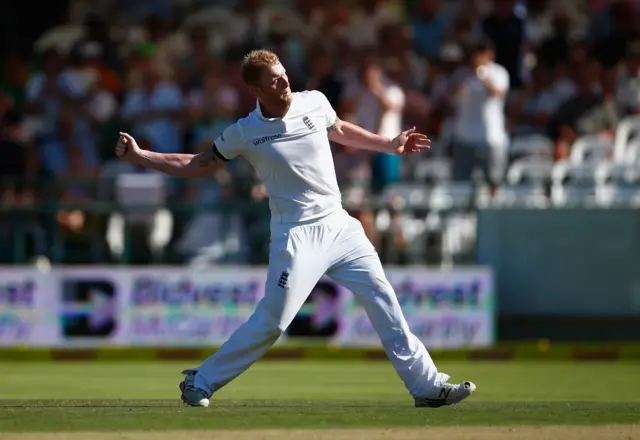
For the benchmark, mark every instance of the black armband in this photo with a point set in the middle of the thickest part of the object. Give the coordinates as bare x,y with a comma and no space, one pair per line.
217,153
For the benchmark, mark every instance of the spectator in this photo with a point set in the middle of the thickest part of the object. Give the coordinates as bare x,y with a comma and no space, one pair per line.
535,106
378,108
13,82
321,76
97,40
196,62
99,105
623,18
480,136
89,104
428,29
465,30
48,117
17,167
506,29
537,22
567,70
366,21
251,24
211,109
310,19
588,113
142,9
75,184
443,73
395,46
155,106
556,48
629,91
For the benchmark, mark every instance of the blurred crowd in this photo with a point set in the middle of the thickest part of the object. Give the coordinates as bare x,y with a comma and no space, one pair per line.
472,74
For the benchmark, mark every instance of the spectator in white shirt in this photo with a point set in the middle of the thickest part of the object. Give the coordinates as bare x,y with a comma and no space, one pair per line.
480,135
378,108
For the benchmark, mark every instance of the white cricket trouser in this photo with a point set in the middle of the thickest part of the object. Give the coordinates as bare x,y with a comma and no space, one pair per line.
338,247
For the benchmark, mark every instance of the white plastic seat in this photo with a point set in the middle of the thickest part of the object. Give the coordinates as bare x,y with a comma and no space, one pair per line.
574,195
531,145
526,183
451,195
625,131
433,170
525,195
458,236
577,184
591,149
632,152
535,170
587,172
412,194
623,186
438,169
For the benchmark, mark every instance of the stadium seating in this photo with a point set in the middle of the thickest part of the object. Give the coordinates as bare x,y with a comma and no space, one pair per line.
622,186
141,198
434,170
591,149
526,183
577,184
530,145
627,133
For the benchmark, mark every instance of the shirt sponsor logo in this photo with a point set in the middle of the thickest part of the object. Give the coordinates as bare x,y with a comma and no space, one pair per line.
266,139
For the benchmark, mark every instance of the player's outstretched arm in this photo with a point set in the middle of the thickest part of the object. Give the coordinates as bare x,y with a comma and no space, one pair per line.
174,164
351,135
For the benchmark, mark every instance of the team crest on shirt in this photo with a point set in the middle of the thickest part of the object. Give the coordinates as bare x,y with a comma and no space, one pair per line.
308,123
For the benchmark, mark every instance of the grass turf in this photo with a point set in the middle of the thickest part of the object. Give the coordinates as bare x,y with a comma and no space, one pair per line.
39,397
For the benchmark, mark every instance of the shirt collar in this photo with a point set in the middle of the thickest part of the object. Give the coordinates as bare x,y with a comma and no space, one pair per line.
263,117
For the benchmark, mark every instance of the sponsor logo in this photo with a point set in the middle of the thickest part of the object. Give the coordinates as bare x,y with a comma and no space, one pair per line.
266,139
88,309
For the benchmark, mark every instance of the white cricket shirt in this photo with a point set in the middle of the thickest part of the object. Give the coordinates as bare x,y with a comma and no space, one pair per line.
292,155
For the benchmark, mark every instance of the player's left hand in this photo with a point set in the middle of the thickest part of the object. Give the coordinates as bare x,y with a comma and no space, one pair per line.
410,142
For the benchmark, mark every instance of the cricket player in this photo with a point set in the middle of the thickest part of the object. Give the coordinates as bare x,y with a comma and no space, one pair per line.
286,138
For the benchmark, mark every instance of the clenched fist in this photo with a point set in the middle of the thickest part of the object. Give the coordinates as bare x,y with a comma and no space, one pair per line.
127,148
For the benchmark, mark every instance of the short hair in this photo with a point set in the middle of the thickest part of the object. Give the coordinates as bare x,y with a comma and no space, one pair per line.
484,44
253,64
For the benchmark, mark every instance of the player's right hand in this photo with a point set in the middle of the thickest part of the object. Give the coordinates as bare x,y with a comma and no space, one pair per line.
127,148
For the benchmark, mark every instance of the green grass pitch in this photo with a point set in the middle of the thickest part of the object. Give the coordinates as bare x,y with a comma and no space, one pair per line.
85,396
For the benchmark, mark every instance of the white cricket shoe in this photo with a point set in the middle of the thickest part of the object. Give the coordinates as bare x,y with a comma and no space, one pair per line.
450,394
191,395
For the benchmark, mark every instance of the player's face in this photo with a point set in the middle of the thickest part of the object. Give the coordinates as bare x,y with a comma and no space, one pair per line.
274,85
